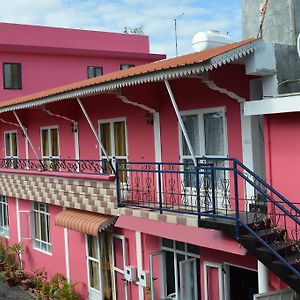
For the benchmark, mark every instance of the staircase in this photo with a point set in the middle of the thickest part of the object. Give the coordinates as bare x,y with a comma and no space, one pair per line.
270,232
225,195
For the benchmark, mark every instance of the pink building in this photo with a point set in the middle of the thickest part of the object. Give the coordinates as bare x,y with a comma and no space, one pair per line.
133,184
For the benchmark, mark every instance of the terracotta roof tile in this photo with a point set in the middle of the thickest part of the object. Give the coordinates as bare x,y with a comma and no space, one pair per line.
165,64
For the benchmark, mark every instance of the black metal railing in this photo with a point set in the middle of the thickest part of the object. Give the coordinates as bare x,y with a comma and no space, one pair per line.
218,188
102,166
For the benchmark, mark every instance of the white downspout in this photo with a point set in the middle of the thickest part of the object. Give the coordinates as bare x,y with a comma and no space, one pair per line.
92,128
186,137
26,135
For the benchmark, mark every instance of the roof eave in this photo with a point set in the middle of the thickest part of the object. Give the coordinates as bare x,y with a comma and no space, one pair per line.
167,74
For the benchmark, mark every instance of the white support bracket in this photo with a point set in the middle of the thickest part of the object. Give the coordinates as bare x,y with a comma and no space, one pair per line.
26,135
92,128
181,124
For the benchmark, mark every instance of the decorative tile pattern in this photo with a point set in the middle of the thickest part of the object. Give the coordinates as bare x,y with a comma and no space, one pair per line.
90,195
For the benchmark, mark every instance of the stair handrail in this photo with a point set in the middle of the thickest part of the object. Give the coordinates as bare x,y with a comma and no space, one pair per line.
267,186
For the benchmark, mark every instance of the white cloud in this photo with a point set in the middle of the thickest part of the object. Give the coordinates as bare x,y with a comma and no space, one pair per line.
157,17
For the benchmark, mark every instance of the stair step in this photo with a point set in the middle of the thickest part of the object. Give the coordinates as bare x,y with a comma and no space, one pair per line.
283,248
260,225
293,260
265,233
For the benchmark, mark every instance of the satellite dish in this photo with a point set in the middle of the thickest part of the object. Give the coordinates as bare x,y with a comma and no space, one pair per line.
298,45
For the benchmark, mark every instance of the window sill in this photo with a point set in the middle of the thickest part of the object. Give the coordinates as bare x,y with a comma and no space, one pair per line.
40,250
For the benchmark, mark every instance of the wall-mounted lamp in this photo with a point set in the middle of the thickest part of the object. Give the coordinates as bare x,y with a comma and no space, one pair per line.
74,127
149,118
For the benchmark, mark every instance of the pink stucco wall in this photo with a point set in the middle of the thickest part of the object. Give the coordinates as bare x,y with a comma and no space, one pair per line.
64,38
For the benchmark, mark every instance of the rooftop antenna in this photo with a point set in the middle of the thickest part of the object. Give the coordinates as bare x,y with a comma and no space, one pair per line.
175,28
262,11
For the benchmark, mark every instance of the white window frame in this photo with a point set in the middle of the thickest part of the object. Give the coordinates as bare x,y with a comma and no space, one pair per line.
112,136
10,132
200,113
4,229
48,128
40,245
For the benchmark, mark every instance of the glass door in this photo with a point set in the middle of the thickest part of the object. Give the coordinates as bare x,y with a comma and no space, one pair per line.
11,148
114,140
94,263
188,282
119,261
207,132
158,275
50,148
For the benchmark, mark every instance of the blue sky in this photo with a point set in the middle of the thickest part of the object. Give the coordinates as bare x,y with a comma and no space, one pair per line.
156,16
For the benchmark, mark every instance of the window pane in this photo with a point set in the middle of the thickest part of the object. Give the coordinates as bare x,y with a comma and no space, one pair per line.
92,247
37,228
94,274
45,142
126,66
90,72
192,127
54,142
98,71
105,138
14,144
214,133
120,139
7,73
12,76
7,144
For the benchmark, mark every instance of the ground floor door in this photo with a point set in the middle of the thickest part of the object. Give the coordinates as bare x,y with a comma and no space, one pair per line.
243,283
175,272
99,256
119,262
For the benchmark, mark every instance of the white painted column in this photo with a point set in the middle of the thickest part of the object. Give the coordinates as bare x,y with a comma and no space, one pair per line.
18,221
76,140
26,147
67,254
157,139
139,258
263,278
247,148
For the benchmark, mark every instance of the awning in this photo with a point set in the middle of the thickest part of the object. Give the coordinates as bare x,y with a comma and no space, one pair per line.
84,221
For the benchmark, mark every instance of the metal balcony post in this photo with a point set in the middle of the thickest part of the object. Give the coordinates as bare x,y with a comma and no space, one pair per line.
213,192
118,185
159,188
236,198
198,192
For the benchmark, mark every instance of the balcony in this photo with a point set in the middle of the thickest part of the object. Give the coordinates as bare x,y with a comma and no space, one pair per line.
222,194
82,184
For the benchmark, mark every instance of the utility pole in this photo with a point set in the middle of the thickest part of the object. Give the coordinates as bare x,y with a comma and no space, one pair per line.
175,28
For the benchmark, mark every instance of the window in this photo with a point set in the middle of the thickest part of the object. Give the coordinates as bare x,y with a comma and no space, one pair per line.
113,139
12,78
126,66
4,230
94,71
11,147
206,130
50,147
41,227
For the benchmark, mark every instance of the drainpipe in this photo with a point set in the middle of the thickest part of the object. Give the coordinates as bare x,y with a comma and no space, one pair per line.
26,135
181,124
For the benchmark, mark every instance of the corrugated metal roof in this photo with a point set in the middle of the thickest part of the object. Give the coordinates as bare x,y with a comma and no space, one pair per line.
83,221
163,69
